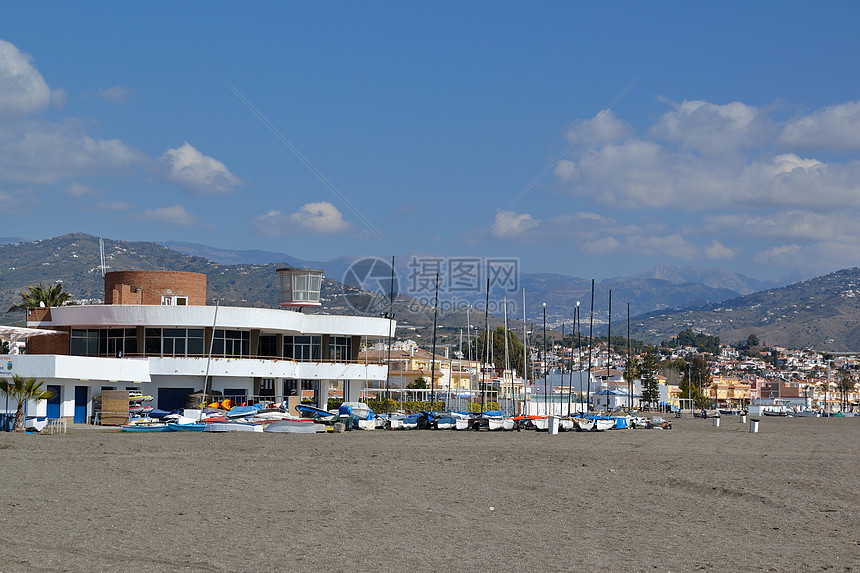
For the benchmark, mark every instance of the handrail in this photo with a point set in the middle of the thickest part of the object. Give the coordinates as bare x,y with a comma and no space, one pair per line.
234,357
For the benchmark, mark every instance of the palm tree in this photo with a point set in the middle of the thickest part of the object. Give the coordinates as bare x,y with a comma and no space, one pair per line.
39,296
22,390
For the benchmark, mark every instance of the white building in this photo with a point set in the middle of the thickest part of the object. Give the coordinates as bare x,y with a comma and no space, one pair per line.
154,334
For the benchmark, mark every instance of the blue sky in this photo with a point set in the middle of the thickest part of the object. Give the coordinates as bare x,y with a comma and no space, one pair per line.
736,144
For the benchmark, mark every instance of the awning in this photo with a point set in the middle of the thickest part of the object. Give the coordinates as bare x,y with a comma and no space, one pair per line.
15,333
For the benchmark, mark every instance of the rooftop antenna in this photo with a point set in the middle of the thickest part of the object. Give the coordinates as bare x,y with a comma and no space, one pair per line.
102,266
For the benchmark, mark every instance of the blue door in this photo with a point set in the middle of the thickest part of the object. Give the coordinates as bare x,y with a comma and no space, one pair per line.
54,403
81,395
172,398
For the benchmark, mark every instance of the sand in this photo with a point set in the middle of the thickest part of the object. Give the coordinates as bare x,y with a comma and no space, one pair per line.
692,498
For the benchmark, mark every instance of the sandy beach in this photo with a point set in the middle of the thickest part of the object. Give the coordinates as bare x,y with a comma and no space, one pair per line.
692,498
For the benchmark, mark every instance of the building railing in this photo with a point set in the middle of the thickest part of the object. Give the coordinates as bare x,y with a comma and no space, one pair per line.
236,356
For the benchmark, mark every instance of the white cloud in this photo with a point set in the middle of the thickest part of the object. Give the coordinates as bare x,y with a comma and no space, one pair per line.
601,246
42,152
117,206
322,218
191,169
608,129
509,224
76,189
835,127
703,171
175,215
23,90
713,129
116,94
716,250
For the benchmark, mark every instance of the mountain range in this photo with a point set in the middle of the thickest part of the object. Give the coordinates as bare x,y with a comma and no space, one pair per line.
817,312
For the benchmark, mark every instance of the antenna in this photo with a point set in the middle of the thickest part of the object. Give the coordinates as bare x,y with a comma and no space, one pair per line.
102,266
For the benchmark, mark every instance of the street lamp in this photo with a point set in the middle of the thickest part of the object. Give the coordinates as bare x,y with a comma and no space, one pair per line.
545,364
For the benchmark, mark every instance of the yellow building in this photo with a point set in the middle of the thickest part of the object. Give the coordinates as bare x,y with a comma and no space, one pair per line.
729,391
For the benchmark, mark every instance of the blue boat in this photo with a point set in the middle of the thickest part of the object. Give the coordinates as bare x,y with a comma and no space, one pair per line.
145,428
241,412
315,413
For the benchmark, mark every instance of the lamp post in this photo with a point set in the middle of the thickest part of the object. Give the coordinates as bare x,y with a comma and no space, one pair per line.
545,364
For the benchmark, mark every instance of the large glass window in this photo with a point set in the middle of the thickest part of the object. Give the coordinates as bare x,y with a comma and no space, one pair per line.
340,348
268,346
174,342
303,347
232,343
103,341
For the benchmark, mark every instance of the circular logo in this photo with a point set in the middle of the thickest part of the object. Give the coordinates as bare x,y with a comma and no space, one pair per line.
369,285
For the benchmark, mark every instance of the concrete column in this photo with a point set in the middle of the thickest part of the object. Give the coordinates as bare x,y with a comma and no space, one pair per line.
322,394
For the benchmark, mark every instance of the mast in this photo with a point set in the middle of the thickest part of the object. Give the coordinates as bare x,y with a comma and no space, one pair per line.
507,356
390,320
608,350
545,365
209,357
525,354
486,347
469,346
590,345
579,349
629,363
433,354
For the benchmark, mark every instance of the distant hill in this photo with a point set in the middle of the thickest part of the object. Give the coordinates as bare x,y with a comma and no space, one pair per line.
660,288
822,313
718,278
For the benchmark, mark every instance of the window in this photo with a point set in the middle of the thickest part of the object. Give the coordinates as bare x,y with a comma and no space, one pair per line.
103,341
174,342
303,347
84,342
174,300
340,348
268,346
232,343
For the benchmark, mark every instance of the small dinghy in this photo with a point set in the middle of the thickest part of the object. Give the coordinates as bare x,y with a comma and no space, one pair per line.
145,428
302,426
192,427
585,424
232,427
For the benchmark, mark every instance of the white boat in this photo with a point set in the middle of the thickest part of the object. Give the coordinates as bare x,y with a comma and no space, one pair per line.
359,409
541,423
34,424
446,424
585,424
294,427
508,424
566,424
496,423
601,425
232,427
461,424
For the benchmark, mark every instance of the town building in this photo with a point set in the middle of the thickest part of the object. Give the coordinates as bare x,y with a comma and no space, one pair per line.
155,334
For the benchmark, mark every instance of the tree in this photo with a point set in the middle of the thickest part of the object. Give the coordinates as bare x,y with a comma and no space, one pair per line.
515,349
845,385
418,384
648,375
22,390
38,295
631,370
752,341
689,386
